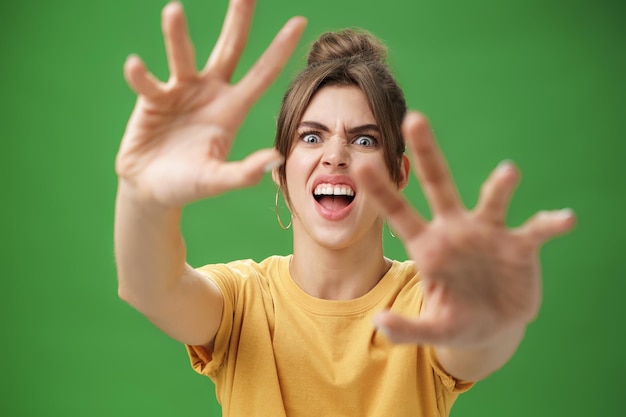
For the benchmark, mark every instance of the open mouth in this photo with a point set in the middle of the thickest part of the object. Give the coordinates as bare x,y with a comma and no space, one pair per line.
333,197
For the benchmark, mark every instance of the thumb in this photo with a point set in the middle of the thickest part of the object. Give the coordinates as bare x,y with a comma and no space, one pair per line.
400,329
239,174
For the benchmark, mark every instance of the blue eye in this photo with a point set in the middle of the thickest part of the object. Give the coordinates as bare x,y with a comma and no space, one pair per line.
366,141
310,138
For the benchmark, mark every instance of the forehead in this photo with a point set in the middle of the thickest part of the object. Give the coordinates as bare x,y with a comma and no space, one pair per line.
346,105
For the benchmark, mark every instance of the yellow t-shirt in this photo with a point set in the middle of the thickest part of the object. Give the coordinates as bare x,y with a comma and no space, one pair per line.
281,352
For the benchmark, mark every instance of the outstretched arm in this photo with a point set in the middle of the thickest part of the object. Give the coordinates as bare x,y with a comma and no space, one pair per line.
481,280
174,151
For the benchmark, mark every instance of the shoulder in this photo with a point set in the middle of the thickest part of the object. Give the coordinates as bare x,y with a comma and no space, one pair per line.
406,267
242,268
404,272
232,277
403,285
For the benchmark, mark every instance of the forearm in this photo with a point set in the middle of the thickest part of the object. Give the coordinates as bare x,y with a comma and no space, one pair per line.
149,248
473,364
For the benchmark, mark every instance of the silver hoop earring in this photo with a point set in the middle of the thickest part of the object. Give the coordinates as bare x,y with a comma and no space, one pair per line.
389,230
280,223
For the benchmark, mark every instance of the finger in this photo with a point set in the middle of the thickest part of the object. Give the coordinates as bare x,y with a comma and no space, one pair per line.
240,174
269,65
139,79
232,39
400,329
432,170
181,56
548,224
401,215
496,193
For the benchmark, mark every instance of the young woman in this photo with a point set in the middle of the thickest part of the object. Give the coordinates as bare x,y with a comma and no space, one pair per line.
336,328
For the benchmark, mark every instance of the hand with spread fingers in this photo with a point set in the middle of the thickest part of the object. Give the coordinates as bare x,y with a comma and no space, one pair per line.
178,138
481,280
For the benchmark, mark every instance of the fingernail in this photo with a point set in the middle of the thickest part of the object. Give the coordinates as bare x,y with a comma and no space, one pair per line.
274,164
379,326
566,213
297,20
505,164
384,330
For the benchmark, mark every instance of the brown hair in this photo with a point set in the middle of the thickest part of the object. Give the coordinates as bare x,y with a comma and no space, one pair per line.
346,58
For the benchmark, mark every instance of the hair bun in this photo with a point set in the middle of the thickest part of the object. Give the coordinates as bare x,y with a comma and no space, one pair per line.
345,44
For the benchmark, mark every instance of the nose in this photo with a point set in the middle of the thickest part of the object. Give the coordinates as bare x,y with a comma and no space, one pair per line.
336,154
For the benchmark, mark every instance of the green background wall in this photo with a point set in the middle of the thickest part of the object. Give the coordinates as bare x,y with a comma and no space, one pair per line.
540,82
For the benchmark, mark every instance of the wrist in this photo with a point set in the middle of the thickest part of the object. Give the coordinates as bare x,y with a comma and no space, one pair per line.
132,195
476,362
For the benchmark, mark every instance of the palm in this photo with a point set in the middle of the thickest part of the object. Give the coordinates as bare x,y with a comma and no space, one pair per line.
176,144
175,147
479,277
473,273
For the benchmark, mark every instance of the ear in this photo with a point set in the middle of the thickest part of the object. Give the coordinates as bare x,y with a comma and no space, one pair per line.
276,179
275,176
405,170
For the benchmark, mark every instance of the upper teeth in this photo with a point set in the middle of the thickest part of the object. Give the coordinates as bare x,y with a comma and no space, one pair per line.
329,189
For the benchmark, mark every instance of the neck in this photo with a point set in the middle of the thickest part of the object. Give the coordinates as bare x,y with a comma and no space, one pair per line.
338,273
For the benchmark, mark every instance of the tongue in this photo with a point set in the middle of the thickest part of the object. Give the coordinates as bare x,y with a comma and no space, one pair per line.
334,203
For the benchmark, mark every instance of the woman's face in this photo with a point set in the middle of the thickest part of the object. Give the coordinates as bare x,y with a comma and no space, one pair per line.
337,134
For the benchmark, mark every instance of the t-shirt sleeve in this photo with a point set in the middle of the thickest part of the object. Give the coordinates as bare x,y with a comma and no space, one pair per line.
449,382
207,362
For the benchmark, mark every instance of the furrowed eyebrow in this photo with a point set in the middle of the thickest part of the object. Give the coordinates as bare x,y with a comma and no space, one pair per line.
313,125
356,129
364,128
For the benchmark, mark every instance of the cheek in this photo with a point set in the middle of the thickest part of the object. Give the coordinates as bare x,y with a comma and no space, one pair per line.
294,174
300,162
390,168
375,161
